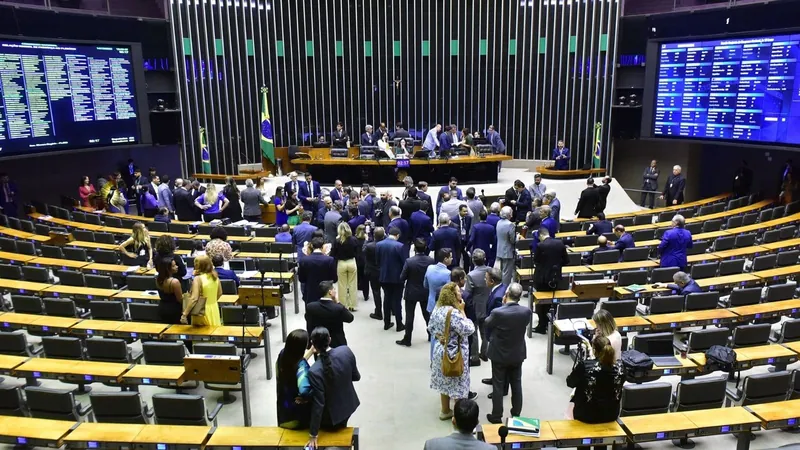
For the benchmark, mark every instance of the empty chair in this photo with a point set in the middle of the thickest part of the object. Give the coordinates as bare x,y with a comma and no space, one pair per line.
643,235
65,348
750,335
764,262
273,231
788,258
3,220
578,310
16,343
141,282
644,342
660,232
698,248
705,210
666,304
651,398
226,388
663,274
160,227
107,310
574,259
26,248
232,315
204,229
27,226
701,393
795,385
665,216
99,281
51,251
749,219
580,241
27,304
687,213
70,278
119,407
624,221
228,287
761,388
42,229
112,221
236,231
731,267
630,277
744,296
789,332
724,243
36,274
711,225
642,220
104,256
61,307
93,219
771,236
56,404
704,270
793,208
635,254
111,350
186,244
745,240
75,254
11,401
145,312
765,215
606,257
178,228
104,238
788,231
182,409
8,245
10,272
620,308
702,340
127,223
83,235
733,222
778,292
719,207
694,228
164,353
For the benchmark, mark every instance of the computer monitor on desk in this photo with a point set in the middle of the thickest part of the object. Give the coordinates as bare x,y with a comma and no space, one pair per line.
367,151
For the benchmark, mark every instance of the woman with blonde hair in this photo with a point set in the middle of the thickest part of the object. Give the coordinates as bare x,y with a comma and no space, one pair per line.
206,284
344,251
142,250
449,313
212,203
606,326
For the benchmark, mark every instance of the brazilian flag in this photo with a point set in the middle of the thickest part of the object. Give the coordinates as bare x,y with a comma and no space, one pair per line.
267,141
205,156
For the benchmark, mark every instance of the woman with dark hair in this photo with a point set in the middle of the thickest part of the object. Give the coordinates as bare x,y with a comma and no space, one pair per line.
292,208
281,217
231,192
331,378
86,191
294,390
170,293
218,244
165,248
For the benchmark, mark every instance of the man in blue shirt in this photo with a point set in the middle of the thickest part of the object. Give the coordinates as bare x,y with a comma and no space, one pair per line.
390,259
674,244
494,214
555,205
624,240
494,139
447,237
222,272
437,276
683,284
284,235
421,224
484,237
303,233
432,139
601,227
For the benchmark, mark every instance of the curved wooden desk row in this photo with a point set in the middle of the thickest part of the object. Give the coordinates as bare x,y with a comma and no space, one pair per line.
655,211
88,435
657,427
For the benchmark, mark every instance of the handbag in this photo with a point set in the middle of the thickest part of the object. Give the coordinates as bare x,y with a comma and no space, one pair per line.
451,367
197,308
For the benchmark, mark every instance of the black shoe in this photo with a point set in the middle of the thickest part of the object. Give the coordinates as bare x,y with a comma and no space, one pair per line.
376,316
401,327
487,381
484,358
472,395
493,419
387,326
490,395
474,362
403,342
540,330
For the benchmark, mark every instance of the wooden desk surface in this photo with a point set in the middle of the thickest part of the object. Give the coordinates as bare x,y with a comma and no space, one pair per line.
620,291
654,211
657,423
744,251
236,331
625,322
768,274
8,256
73,367
541,295
247,437
719,417
116,268
23,285
764,225
206,237
173,434
491,436
27,427
782,244
142,327
285,276
727,280
573,429
80,290
9,362
299,438
191,330
771,412
527,273
123,433
154,372
691,259
125,294
286,256
761,308
91,325
56,322
59,263
794,346
732,212
763,351
709,235
689,316
22,319
228,299
631,265
93,245
23,235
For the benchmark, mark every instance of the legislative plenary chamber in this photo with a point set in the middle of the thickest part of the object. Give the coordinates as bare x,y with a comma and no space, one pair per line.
399,224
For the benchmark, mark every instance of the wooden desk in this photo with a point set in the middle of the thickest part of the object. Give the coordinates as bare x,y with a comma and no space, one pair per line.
633,323
139,330
128,296
14,258
80,292
709,235
690,319
777,414
761,226
784,244
53,324
9,362
103,435
744,251
767,310
93,245
777,273
525,274
233,334
18,321
684,367
286,256
24,235
656,427
59,263
183,436
794,346
283,277
114,269
228,299
227,438
71,370
723,421
91,327
206,237
572,433
703,257
549,298
22,287
747,358
623,292
299,438
740,279
654,211
146,374
615,267
34,432
546,436
189,333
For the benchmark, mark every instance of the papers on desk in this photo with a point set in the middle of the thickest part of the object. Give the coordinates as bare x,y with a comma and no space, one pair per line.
249,274
132,269
567,325
523,426
240,223
198,223
634,288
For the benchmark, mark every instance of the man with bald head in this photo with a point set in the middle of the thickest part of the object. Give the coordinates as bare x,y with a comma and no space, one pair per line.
337,193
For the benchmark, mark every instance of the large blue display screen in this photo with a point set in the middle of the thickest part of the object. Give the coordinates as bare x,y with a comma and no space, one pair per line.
56,96
744,89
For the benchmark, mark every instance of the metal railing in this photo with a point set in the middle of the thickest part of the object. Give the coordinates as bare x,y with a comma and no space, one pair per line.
636,7
127,8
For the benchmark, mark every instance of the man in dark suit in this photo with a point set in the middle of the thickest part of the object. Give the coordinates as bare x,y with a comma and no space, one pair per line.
462,223
340,138
477,292
483,237
506,325
381,210
589,201
421,224
331,221
328,313
391,260
184,203
303,233
519,199
423,196
337,193
494,214
315,268
310,193
334,398
373,272
447,237
411,203
550,257
293,185
649,184
604,189
452,189
602,245
624,240
673,190
600,227
413,275
140,186
400,132
494,281
368,137
446,141
395,221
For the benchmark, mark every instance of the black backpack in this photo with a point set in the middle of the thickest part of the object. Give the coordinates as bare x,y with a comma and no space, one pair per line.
636,362
722,357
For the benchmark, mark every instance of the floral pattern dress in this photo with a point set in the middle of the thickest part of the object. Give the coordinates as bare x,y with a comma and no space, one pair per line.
460,326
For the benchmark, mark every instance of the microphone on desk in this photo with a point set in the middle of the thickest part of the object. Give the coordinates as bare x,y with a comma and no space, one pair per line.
503,433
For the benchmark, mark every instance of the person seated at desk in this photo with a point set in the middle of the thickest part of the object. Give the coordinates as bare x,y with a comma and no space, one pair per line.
602,245
385,146
624,240
403,150
465,419
222,272
368,137
293,388
284,235
601,227
162,216
682,284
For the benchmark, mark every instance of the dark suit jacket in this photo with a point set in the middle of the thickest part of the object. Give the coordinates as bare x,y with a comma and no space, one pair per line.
312,269
456,223
335,400
184,205
423,197
408,206
495,298
339,138
368,139
484,237
390,258
507,325
446,190
301,234
401,133
588,203
492,220
331,315
447,237
405,230
371,259
550,253
306,193
413,276
421,226
600,227
673,190
335,195
604,189
287,187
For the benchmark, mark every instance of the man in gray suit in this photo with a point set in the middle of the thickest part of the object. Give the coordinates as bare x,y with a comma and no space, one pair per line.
251,197
465,419
506,239
506,326
331,221
478,293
